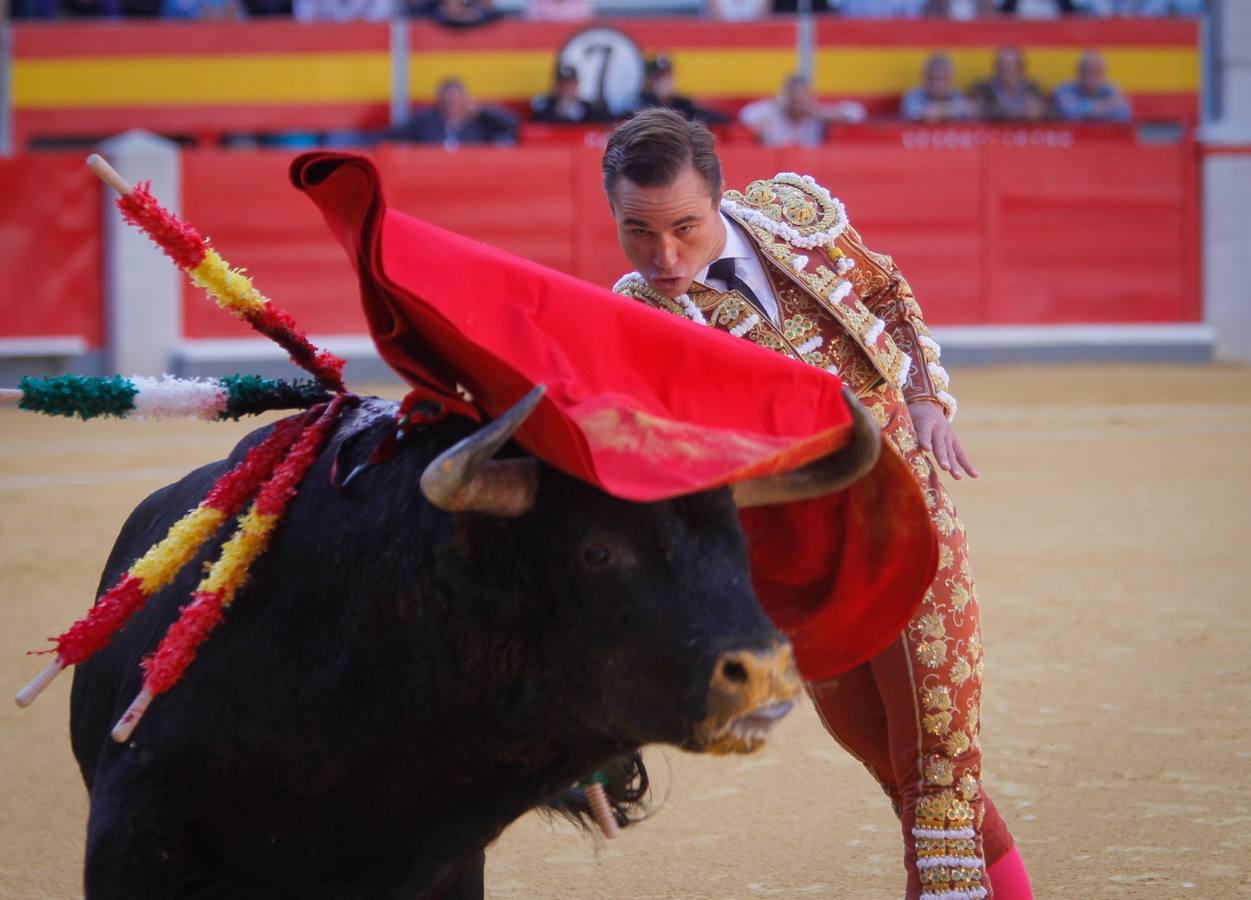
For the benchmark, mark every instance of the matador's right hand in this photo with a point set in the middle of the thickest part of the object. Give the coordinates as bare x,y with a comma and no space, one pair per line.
937,435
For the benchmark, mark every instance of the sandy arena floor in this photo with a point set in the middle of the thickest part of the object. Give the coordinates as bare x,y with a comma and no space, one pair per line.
1109,533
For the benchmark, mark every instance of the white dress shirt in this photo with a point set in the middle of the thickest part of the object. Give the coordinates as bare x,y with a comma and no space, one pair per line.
773,127
746,266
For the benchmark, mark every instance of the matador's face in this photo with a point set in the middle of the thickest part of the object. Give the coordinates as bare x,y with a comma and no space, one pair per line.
669,233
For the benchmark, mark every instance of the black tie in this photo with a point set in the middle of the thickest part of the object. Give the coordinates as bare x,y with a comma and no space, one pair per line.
723,269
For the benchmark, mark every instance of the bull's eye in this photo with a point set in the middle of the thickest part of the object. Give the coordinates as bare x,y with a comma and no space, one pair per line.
596,555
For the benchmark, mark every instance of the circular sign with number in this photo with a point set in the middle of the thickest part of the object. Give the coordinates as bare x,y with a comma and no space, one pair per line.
609,66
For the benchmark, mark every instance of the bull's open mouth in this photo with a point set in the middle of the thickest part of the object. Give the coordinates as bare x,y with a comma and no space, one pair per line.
758,724
750,692
746,733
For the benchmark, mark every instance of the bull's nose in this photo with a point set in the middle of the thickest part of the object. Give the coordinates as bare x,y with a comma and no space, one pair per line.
745,683
750,679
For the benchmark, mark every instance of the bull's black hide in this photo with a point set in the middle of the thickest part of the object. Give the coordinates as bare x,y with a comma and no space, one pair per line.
395,684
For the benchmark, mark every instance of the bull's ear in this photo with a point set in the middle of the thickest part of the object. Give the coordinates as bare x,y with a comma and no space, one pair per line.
464,478
831,473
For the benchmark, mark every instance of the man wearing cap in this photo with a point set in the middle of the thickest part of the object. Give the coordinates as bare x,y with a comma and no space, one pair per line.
563,105
658,90
779,264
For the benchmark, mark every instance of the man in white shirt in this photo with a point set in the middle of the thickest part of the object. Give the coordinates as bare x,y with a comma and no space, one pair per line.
794,118
746,271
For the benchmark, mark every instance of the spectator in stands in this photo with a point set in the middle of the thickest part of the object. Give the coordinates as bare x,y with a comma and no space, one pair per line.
105,9
219,10
564,105
1157,7
883,9
961,10
736,10
338,10
262,8
456,13
937,99
1091,97
203,10
455,119
1008,95
1193,8
559,10
792,6
658,91
35,9
1042,9
794,118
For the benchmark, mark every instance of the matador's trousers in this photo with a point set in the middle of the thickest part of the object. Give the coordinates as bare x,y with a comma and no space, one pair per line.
910,715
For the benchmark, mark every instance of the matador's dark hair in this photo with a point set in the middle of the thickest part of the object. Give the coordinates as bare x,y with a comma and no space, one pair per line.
654,145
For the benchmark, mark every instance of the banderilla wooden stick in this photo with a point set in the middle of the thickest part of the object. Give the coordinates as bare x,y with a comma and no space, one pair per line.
10,395
130,718
26,696
601,809
106,173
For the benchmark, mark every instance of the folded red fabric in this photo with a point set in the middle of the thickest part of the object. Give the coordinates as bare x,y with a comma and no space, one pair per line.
642,404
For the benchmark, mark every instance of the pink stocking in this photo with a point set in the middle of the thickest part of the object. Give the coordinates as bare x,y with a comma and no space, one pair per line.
1008,877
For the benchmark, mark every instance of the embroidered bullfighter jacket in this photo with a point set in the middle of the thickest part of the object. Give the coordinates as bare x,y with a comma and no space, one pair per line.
842,307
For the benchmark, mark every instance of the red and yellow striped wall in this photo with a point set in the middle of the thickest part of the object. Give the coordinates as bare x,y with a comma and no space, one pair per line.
84,79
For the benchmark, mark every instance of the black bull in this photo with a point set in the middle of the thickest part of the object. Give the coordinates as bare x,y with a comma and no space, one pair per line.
397,682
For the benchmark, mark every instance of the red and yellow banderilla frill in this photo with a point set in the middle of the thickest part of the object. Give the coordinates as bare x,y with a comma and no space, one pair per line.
272,471
230,288
158,567
217,590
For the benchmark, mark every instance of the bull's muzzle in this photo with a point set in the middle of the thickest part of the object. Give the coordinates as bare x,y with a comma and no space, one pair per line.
750,692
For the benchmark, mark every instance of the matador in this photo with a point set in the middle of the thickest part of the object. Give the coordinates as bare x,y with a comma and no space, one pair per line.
779,264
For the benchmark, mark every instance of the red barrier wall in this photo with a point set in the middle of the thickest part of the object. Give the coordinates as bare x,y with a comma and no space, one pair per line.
987,233
50,249
1090,237
245,204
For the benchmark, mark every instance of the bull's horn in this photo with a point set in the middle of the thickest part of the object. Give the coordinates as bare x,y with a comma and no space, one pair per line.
823,476
464,478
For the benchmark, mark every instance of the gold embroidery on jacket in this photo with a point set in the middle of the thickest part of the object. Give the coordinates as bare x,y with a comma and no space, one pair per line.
822,284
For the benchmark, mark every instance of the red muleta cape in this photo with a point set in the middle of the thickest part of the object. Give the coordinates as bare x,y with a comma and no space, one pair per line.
643,405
